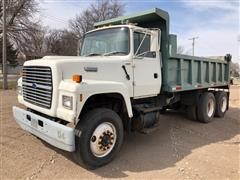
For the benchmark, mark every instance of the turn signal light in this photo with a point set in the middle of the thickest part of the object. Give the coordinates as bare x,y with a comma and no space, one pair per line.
77,78
81,97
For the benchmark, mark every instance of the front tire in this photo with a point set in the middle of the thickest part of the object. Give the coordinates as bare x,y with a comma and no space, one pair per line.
100,139
206,107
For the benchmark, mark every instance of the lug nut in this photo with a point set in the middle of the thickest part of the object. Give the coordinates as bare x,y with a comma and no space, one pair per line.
93,139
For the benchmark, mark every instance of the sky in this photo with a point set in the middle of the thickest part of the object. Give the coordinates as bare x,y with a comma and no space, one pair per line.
214,22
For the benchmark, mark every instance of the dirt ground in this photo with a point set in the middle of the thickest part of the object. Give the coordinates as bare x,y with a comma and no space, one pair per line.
179,149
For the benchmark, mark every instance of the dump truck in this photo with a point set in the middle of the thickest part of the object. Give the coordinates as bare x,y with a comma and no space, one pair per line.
128,72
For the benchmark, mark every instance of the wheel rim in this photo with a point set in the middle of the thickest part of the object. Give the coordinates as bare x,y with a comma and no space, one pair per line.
224,104
210,108
103,139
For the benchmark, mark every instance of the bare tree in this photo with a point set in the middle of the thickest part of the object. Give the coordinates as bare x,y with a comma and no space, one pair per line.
21,24
27,34
98,11
61,42
33,44
235,69
11,53
180,50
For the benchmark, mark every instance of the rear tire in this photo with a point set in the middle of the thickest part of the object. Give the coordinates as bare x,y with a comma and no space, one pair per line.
192,112
100,139
221,103
206,107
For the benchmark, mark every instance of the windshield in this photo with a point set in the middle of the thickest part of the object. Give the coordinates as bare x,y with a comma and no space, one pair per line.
113,41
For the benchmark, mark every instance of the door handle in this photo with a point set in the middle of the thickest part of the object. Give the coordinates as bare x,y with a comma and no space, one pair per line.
155,75
127,63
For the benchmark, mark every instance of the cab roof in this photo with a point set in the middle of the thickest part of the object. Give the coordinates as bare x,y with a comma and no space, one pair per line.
153,18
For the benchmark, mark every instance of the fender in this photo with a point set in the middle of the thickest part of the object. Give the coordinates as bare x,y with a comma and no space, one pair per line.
89,88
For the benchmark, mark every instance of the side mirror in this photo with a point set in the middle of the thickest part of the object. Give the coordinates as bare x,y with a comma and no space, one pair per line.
151,54
172,45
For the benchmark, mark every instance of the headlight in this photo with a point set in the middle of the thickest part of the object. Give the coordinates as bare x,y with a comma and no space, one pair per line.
19,90
67,101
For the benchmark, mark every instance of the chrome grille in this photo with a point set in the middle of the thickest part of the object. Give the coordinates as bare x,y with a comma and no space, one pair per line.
37,85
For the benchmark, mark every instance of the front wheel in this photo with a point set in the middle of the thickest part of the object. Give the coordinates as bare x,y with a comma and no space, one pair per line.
100,139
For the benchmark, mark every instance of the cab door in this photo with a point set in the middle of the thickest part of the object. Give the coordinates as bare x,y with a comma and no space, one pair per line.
147,69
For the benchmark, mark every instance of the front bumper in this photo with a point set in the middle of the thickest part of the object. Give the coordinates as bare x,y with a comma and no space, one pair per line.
56,134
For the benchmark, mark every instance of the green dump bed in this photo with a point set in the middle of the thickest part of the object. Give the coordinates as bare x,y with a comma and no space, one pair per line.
189,72
179,72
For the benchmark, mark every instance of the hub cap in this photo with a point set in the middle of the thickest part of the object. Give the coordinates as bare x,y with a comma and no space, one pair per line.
210,108
103,139
223,104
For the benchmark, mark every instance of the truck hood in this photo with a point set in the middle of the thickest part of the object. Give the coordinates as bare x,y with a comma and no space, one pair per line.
107,68
97,73
73,59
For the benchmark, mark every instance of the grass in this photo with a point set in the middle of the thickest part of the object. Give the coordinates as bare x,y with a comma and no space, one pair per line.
237,81
11,84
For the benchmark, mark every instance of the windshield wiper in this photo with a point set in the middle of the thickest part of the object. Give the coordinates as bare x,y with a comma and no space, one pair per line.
114,52
93,54
107,54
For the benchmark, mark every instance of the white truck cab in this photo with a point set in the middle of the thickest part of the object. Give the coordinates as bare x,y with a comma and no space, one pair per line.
121,61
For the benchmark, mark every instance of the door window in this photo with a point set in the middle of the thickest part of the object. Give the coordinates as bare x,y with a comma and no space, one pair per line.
144,49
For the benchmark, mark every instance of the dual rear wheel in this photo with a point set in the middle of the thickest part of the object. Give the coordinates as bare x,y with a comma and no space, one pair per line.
221,103
209,105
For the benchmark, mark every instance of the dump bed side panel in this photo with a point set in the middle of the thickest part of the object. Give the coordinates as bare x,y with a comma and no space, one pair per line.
190,73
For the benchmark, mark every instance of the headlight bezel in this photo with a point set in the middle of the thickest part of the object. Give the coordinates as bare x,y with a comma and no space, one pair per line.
67,99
